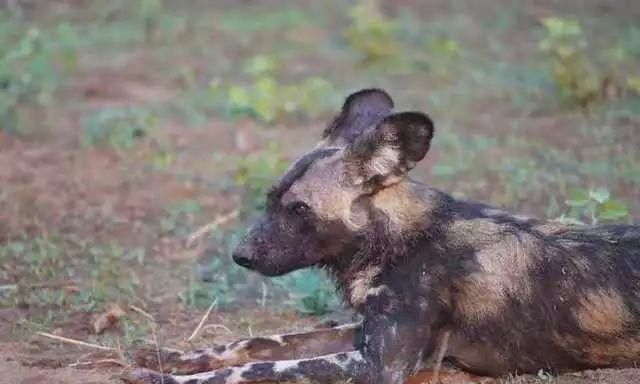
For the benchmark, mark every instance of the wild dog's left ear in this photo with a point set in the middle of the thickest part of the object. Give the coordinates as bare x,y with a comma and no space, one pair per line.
384,154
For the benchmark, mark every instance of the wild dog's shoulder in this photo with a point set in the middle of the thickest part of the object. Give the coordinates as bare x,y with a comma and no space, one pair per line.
476,224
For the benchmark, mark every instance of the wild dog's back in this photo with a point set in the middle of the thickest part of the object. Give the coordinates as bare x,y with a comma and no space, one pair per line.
528,295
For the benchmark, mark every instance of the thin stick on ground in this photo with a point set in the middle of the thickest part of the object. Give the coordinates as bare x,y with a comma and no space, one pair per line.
154,336
201,323
216,326
41,285
142,312
83,364
210,227
76,342
157,345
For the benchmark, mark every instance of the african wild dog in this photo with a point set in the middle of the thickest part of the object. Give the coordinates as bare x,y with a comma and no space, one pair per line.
511,294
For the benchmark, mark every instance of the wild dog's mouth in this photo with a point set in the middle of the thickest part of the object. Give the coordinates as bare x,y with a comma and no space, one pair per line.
263,264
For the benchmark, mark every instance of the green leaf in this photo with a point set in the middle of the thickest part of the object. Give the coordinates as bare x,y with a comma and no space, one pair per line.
600,195
634,83
260,65
613,210
238,97
316,304
578,198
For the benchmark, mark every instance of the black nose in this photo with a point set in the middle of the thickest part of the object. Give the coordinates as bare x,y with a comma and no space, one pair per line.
242,260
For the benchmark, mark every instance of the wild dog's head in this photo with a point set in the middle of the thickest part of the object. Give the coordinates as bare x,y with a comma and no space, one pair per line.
316,212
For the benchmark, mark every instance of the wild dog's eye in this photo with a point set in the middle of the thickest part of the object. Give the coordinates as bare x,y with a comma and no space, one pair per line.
298,208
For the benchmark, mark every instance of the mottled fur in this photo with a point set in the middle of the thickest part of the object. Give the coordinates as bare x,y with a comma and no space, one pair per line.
515,294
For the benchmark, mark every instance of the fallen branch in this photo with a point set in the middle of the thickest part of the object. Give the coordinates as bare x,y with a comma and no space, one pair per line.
43,285
87,364
142,312
201,323
216,326
76,342
210,227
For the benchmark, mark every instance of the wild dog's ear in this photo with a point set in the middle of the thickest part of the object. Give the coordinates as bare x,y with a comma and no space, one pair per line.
361,110
385,153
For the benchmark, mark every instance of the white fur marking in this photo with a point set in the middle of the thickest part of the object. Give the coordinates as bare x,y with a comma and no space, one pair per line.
361,285
384,160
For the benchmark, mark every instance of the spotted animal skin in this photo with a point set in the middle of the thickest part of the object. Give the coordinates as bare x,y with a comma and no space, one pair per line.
509,294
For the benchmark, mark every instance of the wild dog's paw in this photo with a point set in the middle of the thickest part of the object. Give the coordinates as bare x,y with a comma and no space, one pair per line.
147,376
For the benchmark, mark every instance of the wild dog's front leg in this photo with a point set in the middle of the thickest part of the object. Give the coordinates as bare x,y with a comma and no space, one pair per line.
395,338
269,348
344,366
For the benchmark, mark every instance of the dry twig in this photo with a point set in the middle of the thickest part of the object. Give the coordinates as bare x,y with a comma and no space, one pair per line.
195,236
154,334
76,342
142,312
216,326
201,323
87,364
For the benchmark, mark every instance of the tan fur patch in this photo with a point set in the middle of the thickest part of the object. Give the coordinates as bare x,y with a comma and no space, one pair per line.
383,161
619,350
552,228
402,205
602,311
476,356
504,260
622,352
362,284
321,189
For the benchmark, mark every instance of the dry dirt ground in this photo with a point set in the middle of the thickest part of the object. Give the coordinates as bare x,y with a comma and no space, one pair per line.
50,184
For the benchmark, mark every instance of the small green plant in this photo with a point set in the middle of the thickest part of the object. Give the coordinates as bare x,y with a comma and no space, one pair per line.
574,74
112,278
245,21
268,100
117,128
262,96
180,217
257,172
32,62
149,12
441,54
39,258
371,34
311,291
201,294
633,82
593,206
41,268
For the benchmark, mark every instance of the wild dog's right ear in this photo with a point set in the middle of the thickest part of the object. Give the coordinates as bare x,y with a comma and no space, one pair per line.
384,154
361,110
